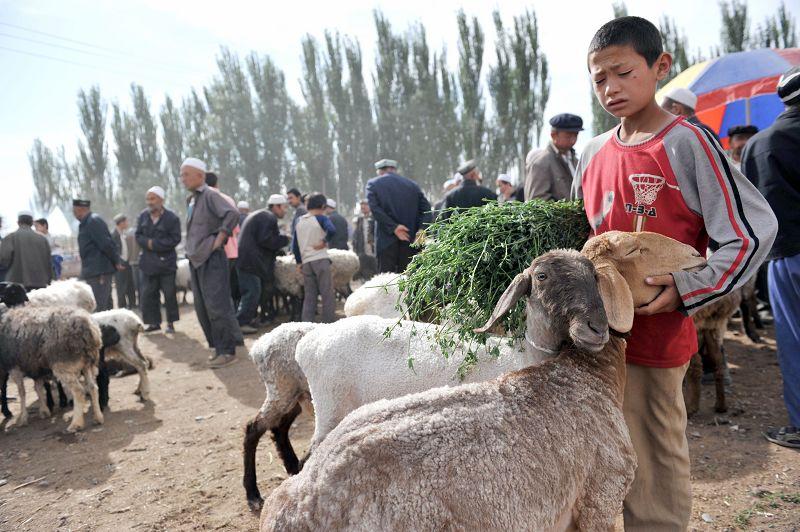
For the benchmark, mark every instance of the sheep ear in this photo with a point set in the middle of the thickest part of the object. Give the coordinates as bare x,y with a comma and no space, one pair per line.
520,286
616,296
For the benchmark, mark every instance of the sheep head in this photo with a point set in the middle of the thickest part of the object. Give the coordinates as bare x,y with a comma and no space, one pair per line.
12,294
633,257
563,302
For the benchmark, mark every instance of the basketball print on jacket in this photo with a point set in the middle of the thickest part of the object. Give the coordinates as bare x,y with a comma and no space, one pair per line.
645,192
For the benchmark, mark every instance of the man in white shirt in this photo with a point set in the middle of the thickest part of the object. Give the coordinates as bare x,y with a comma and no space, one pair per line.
126,289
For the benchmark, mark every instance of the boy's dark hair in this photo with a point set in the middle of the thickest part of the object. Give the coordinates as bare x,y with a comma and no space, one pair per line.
211,179
637,32
42,221
316,201
294,192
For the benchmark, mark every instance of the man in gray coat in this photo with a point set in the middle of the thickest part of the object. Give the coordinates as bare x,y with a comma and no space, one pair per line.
210,221
26,255
549,170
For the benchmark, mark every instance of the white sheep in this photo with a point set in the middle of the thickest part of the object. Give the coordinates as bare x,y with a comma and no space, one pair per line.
183,278
472,456
379,296
70,292
344,265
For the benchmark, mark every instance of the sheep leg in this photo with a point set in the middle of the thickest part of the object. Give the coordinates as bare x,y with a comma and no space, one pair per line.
749,315
693,377
102,384
4,394
44,411
71,381
142,364
280,436
90,375
714,349
19,379
252,435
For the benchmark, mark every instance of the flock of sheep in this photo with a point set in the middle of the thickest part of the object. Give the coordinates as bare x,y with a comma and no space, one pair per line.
397,446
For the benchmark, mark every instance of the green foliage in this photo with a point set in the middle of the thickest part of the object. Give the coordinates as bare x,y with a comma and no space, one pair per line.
461,273
735,26
779,31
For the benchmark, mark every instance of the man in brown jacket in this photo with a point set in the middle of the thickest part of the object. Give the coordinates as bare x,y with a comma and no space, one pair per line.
549,170
26,254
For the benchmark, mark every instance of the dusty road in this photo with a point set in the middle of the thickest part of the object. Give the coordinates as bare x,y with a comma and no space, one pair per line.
175,464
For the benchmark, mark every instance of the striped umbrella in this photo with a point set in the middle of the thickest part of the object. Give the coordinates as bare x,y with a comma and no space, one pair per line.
737,89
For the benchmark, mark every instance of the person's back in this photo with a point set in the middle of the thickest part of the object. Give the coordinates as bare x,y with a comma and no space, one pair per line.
309,245
469,194
26,255
309,234
399,197
253,253
771,160
96,247
339,241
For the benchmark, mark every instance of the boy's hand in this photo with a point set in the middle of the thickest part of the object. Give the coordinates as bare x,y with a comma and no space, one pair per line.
667,301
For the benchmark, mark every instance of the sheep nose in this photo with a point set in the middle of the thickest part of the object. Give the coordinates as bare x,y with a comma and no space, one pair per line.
598,329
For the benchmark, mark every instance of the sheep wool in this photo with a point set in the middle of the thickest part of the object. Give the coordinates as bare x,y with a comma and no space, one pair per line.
379,297
344,264
70,292
472,457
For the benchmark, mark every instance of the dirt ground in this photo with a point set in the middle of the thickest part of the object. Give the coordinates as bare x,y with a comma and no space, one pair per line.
175,463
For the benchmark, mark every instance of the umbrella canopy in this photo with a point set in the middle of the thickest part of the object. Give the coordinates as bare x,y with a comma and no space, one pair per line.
737,89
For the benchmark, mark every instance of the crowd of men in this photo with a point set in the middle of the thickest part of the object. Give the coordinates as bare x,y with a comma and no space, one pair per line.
232,249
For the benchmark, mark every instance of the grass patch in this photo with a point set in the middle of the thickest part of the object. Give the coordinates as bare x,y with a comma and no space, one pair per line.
768,501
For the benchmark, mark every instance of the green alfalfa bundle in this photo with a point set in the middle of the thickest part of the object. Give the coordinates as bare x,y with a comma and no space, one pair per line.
470,259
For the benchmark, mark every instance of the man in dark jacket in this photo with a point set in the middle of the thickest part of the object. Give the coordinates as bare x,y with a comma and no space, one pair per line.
400,209
771,160
339,241
470,193
158,232
99,257
259,243
23,254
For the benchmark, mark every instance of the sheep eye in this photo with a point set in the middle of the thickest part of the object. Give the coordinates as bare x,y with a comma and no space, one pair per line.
541,276
634,251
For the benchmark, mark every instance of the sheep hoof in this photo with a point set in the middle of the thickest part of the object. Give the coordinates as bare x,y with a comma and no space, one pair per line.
99,419
720,409
255,504
73,428
44,413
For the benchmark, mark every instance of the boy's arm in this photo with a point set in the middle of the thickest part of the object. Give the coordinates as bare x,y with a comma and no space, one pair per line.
327,226
735,215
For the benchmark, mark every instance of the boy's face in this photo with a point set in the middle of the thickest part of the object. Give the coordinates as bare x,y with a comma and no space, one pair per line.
623,83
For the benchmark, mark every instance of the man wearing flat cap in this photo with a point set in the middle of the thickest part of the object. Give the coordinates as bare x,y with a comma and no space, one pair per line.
23,254
470,193
737,140
158,233
549,170
400,209
259,243
771,160
210,221
99,257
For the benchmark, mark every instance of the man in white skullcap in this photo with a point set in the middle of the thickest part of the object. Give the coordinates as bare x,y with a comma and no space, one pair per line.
26,255
158,233
339,241
210,221
682,102
507,189
259,243
244,210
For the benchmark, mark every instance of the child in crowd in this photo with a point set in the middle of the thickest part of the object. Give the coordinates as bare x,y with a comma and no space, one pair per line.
657,172
309,244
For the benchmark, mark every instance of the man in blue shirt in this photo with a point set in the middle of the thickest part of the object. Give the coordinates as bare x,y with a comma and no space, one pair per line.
400,210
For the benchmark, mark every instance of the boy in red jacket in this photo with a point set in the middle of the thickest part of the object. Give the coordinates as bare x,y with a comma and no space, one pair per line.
657,172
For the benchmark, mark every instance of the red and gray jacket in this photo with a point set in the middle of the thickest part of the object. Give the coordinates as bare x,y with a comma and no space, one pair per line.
681,184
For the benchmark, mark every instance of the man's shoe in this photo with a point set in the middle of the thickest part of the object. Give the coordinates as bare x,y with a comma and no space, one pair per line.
212,357
170,329
151,328
223,361
248,329
783,436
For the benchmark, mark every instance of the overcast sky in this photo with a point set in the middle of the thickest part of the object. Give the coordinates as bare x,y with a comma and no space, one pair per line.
168,46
